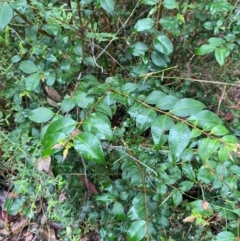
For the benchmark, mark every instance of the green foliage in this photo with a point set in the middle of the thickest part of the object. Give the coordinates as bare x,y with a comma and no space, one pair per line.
81,92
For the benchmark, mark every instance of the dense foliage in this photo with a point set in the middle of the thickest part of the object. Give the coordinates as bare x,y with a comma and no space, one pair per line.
106,124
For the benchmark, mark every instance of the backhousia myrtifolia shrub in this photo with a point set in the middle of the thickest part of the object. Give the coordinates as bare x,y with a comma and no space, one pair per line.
85,94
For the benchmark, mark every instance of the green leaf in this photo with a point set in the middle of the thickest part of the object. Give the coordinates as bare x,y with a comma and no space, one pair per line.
205,49
205,175
159,59
186,186
177,197
219,130
56,131
14,206
99,125
139,49
163,44
6,14
225,236
144,24
205,118
28,67
179,137
154,97
104,108
170,24
89,147
40,115
159,126
68,103
216,41
118,210
129,87
221,54
32,81
149,2
106,198
170,4
82,100
137,230
167,102
145,118
188,171
206,147
108,6
186,107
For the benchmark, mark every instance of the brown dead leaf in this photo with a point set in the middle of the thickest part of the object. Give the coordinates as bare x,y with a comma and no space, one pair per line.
189,219
205,205
52,103
48,234
43,164
84,239
28,236
19,226
53,94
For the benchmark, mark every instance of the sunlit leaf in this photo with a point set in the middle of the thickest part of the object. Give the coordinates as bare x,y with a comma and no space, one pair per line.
144,24
89,147
179,137
206,147
40,115
6,14
137,230
186,107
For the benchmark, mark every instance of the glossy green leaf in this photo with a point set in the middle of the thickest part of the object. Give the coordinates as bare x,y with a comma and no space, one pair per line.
170,4
144,24
224,152
139,49
216,41
176,197
205,49
89,147
154,97
137,230
186,186
68,103
179,137
219,130
149,2
159,59
171,24
108,6
225,236
188,171
32,81
99,125
221,54
6,14
14,206
28,67
163,44
82,100
40,115
106,198
220,6
186,107
159,125
205,175
104,108
206,147
56,131
145,118
118,210
167,102
204,118
129,87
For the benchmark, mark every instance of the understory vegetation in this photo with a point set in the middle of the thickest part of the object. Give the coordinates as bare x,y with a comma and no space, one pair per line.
119,120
